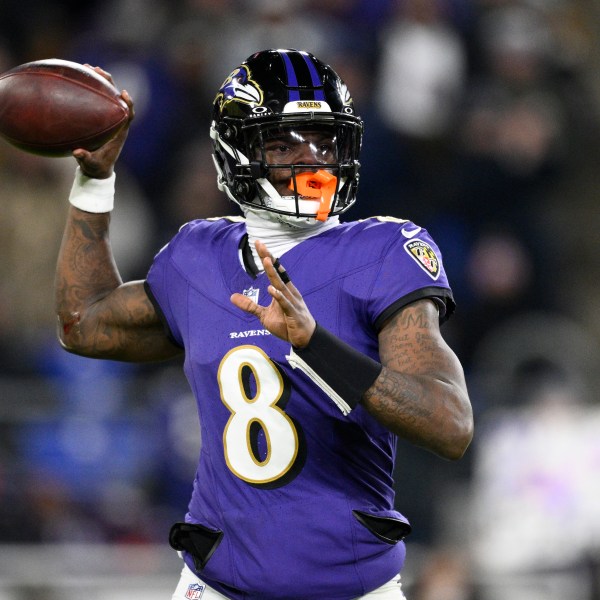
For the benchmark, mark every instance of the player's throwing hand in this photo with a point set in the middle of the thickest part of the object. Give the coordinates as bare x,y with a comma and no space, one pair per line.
99,164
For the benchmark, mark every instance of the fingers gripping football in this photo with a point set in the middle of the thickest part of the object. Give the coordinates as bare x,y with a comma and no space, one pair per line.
100,163
287,316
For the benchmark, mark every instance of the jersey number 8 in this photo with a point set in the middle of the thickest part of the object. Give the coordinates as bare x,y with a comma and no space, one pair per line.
256,414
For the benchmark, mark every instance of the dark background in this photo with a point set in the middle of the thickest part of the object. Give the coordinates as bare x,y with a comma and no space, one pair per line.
482,121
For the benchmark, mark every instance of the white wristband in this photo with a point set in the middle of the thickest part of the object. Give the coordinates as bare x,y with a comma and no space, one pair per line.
93,195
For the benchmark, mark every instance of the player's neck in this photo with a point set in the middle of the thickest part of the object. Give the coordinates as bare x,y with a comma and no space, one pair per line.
279,237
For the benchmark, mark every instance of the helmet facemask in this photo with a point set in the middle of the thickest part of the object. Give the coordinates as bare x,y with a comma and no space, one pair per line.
301,168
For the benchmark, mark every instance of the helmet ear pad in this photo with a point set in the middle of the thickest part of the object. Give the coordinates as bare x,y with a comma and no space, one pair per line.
232,178
227,131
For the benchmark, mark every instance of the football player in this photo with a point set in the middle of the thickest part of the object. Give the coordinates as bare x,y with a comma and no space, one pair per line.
310,344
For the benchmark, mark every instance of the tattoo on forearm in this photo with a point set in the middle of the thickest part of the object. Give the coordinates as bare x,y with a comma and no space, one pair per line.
397,397
409,348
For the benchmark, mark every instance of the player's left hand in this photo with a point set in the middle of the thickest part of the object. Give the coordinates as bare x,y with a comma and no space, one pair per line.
287,316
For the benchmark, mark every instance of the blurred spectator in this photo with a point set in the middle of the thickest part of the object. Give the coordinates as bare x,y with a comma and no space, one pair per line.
444,575
535,515
499,268
515,115
421,74
33,191
422,69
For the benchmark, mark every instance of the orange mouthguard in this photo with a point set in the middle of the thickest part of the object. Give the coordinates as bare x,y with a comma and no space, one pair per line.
320,185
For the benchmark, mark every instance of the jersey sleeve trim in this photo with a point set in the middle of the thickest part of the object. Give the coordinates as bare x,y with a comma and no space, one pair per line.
441,296
161,315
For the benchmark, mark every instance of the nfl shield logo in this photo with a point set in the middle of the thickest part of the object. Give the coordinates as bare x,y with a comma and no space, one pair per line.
195,591
252,293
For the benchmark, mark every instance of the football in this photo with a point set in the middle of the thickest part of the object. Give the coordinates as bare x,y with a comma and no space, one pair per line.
51,107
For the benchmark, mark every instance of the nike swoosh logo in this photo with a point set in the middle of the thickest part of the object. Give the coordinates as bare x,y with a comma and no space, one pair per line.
409,233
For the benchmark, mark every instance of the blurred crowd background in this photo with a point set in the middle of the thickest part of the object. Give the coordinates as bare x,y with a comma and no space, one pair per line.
482,125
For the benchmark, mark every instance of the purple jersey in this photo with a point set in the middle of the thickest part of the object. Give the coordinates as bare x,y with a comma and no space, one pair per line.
282,473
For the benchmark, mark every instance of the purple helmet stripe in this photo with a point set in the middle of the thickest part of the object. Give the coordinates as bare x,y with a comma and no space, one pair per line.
291,77
314,75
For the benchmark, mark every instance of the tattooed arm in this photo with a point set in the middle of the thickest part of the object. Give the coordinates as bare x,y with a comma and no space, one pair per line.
98,315
421,394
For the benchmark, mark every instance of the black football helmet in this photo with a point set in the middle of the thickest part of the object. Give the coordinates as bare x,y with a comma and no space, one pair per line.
290,93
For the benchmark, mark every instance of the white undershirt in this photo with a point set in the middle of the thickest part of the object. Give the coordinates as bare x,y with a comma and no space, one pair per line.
279,237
